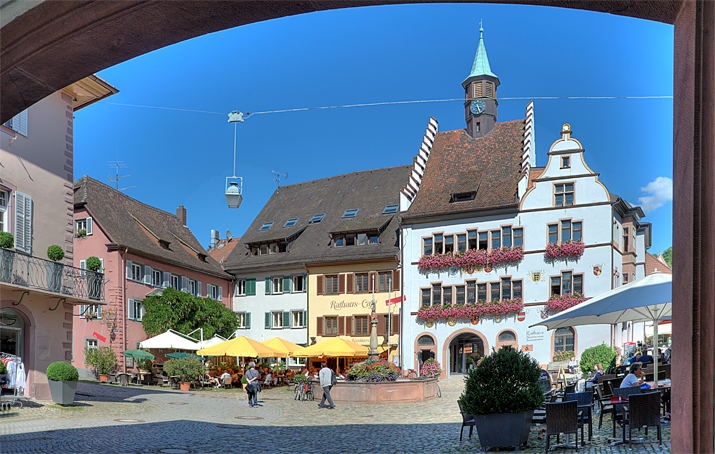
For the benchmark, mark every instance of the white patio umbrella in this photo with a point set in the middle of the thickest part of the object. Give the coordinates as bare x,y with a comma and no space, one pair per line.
647,299
216,339
171,339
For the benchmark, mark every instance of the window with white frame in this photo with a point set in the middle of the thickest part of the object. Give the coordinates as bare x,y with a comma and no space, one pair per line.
240,288
243,320
82,227
277,285
137,271
299,283
214,292
175,281
277,318
298,318
156,278
91,343
4,197
135,310
193,287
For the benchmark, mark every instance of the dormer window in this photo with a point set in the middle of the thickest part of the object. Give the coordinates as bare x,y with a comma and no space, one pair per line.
390,209
290,222
266,226
463,196
317,218
351,213
565,162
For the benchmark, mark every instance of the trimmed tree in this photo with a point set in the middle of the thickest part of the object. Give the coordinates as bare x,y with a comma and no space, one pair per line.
184,313
602,354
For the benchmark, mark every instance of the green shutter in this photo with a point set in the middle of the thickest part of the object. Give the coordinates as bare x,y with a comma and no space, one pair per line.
268,320
248,320
305,286
268,286
286,284
305,318
286,320
251,287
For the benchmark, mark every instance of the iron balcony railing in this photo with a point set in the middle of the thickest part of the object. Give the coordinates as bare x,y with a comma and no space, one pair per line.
37,273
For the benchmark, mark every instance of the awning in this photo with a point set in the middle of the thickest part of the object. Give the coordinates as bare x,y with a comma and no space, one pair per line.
171,339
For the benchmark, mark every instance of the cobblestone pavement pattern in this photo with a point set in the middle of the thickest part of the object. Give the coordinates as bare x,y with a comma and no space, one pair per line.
113,419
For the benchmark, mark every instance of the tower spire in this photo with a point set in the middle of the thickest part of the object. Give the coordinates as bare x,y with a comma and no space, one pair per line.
480,89
480,67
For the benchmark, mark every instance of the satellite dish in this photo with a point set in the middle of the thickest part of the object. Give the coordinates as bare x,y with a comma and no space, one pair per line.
229,235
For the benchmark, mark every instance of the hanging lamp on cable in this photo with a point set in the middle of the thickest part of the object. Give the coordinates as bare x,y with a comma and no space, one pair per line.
234,189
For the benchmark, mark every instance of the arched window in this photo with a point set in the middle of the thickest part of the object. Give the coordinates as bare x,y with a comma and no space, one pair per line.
425,340
507,336
564,340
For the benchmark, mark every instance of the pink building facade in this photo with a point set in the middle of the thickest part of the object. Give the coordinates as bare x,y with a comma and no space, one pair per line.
143,250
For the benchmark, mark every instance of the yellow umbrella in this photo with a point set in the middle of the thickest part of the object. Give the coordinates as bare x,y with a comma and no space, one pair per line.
240,346
285,347
333,347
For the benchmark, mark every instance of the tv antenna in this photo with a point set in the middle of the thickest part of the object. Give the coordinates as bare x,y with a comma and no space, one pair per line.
118,165
278,177
229,235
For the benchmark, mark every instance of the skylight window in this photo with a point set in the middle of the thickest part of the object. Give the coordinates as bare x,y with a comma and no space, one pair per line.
463,196
290,222
317,218
351,213
390,209
266,226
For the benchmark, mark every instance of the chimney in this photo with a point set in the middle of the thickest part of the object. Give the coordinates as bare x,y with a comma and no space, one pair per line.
214,239
181,214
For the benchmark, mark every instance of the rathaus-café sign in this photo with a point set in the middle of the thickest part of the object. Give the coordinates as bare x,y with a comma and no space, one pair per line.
338,305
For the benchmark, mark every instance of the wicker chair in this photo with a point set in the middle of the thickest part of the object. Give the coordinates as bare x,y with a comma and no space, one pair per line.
562,418
643,410
467,421
585,402
604,401
618,413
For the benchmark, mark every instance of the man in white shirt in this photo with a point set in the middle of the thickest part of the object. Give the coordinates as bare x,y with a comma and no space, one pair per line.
635,378
326,382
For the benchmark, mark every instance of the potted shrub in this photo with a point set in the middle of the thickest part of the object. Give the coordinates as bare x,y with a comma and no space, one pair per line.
430,369
187,369
54,268
63,382
7,257
81,233
94,278
102,359
502,393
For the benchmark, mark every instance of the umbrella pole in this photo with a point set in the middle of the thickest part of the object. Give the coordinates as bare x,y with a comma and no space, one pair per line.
655,351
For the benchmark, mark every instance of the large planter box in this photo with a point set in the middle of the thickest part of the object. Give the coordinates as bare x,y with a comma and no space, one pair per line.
94,285
503,430
7,257
63,391
54,276
400,391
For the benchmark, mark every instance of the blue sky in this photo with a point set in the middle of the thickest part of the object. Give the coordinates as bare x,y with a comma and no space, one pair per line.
371,55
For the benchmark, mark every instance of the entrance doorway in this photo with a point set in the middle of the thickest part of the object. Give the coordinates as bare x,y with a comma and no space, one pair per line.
11,333
462,347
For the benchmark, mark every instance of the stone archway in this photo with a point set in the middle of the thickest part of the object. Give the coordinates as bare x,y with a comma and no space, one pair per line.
461,342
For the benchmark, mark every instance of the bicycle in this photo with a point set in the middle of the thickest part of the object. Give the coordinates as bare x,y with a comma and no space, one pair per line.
439,391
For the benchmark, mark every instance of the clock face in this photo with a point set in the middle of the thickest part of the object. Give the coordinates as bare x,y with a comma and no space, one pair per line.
477,107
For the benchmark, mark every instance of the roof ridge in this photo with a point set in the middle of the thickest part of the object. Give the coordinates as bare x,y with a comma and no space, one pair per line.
346,174
129,197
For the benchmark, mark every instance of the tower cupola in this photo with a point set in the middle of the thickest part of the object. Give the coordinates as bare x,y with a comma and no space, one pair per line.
480,89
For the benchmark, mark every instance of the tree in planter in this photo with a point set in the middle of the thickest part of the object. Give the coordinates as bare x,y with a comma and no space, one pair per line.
54,270
63,382
502,392
185,313
188,369
102,359
7,257
94,278
602,354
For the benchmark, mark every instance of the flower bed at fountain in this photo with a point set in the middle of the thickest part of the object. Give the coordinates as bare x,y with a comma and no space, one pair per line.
402,390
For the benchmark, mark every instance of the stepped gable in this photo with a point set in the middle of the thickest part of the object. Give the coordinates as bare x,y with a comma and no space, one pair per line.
369,191
145,230
459,163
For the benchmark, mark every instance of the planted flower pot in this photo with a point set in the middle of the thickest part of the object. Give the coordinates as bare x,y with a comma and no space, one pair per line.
184,386
103,378
94,285
63,391
7,259
54,276
503,430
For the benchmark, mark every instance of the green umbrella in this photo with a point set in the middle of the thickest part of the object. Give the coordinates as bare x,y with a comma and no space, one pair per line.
180,355
139,354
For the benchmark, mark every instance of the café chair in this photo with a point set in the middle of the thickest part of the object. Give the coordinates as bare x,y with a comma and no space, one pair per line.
618,411
562,418
585,402
467,421
643,411
226,383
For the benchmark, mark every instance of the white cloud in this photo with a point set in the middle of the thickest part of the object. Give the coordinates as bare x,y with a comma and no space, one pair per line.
660,191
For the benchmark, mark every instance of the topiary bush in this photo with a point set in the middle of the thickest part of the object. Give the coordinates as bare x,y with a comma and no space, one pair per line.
7,240
61,371
93,263
599,354
55,253
373,371
507,381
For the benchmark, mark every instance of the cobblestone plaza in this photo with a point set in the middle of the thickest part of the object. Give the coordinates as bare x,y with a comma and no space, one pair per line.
114,419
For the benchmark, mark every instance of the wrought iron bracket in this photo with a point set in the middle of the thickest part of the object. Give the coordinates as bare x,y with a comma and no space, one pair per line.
21,297
61,300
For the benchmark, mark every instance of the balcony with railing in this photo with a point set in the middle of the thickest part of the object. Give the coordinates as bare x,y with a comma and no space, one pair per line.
40,274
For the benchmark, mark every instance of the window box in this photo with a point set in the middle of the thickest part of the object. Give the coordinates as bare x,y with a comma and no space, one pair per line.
471,259
558,303
470,311
572,249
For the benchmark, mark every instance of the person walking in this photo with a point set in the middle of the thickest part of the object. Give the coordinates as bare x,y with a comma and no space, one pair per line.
326,382
252,377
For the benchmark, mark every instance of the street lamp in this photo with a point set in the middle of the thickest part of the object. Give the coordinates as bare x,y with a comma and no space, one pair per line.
234,189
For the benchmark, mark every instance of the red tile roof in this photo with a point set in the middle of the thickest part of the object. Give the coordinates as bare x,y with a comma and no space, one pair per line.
223,249
459,163
652,265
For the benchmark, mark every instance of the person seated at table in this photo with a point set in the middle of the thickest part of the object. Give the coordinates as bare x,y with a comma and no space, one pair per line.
312,372
304,371
629,360
224,376
636,377
646,358
235,379
594,380
212,380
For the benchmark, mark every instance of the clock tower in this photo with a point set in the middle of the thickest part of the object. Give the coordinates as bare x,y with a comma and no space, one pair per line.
480,89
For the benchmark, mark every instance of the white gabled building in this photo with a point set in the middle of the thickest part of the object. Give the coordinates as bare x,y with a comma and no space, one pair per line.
478,188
